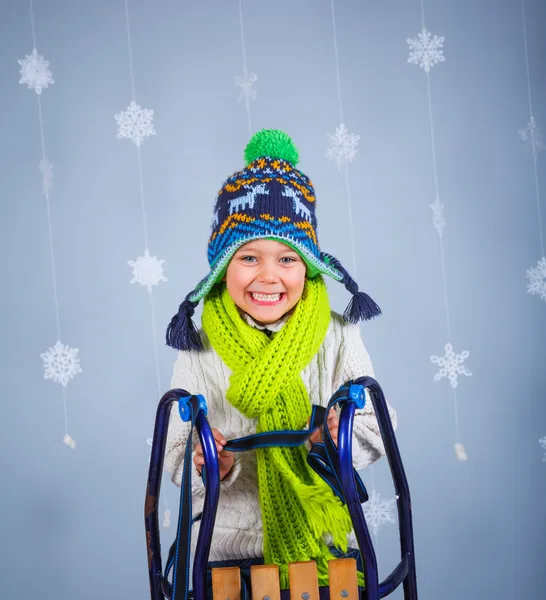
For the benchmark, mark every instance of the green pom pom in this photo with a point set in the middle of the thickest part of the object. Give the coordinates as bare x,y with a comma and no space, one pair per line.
272,143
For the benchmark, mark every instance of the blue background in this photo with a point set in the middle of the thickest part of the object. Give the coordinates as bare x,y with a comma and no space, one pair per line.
72,520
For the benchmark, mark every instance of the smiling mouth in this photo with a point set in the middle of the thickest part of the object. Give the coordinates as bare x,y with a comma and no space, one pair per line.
266,299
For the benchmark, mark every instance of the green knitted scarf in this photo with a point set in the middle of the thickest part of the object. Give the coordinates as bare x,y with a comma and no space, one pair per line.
297,506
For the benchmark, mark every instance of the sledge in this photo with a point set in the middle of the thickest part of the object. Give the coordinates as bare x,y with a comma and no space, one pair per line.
335,466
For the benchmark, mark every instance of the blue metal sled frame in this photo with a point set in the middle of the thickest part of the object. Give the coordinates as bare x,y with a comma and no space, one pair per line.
404,572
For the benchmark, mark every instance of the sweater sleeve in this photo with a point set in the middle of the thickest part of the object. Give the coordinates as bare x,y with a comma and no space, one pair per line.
189,375
354,361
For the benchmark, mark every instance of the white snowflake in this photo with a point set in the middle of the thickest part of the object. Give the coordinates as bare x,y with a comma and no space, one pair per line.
135,123
245,83
378,512
149,441
69,441
542,443
451,365
537,279
46,168
166,518
147,270
426,50
35,72
342,146
438,219
531,134
61,363
460,452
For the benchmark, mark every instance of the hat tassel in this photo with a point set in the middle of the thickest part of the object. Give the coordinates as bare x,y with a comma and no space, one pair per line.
361,307
182,334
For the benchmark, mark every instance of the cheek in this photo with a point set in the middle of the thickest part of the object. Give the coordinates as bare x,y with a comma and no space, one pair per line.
237,280
297,281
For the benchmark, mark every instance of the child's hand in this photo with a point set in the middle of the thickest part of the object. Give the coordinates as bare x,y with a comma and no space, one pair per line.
225,458
333,426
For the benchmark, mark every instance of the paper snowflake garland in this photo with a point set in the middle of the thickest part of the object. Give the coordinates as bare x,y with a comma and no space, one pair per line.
35,72
438,219
61,363
378,512
542,443
537,279
342,146
426,50
46,168
531,134
147,270
245,83
451,365
135,123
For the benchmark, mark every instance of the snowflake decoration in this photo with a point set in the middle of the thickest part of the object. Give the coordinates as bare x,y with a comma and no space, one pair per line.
460,452
149,441
451,365
438,219
531,134
61,363
147,270
537,279
135,123
46,168
166,518
68,441
542,443
426,50
342,146
35,72
378,512
245,83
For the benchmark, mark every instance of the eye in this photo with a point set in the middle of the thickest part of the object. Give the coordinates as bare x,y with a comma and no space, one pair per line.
289,259
248,258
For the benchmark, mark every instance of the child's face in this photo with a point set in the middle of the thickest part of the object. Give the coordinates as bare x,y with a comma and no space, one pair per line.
265,279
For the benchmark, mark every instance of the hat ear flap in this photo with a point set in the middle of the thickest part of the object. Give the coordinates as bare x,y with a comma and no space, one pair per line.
182,334
361,307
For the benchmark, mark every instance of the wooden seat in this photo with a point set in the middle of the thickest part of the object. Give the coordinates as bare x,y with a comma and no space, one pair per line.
226,583
302,579
264,582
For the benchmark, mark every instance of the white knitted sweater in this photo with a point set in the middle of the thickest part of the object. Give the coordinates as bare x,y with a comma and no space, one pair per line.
238,529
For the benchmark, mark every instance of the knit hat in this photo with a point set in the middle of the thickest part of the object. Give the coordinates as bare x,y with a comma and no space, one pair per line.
268,199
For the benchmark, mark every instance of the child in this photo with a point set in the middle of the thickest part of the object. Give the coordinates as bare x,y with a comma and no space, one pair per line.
269,348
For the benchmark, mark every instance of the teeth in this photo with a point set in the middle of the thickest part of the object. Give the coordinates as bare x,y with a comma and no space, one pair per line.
266,297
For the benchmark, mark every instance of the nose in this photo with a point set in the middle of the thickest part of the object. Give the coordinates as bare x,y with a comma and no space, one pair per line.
268,274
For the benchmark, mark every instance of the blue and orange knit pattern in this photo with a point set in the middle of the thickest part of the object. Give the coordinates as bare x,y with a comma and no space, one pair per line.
267,198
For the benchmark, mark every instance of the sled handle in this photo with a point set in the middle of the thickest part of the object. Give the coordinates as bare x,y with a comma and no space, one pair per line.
159,587
405,570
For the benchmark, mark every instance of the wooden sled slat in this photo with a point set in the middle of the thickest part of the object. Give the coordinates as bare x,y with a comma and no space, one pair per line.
264,582
303,581
343,579
226,583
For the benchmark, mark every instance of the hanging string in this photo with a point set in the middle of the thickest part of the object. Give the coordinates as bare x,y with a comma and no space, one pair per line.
534,137
61,363
346,171
537,274
248,79
427,51
147,270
